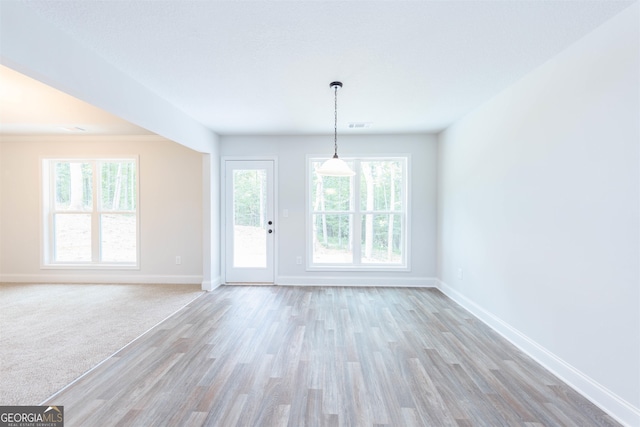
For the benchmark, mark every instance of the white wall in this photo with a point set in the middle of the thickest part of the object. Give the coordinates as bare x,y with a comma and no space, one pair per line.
292,151
539,205
211,219
35,47
171,208
39,49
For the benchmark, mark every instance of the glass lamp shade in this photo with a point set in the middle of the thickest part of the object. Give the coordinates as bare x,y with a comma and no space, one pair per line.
335,167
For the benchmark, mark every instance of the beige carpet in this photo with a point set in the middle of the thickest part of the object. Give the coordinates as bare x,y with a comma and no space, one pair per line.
52,334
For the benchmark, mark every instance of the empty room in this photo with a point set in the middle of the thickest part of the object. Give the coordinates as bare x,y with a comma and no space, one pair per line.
320,213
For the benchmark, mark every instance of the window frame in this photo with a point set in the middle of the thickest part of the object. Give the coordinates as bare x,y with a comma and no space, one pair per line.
357,211
48,212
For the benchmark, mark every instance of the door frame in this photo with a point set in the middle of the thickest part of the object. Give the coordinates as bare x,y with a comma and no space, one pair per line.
223,210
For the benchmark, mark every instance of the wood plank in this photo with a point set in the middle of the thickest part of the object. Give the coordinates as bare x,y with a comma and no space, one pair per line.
312,356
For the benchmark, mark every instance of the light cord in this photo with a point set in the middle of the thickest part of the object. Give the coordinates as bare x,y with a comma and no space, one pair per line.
335,123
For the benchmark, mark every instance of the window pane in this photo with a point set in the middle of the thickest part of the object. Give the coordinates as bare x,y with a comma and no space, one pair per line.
381,239
330,193
381,185
332,238
118,237
72,237
73,186
249,216
370,208
118,185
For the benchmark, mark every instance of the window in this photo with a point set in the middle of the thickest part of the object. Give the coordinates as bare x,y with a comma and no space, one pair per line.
90,212
359,221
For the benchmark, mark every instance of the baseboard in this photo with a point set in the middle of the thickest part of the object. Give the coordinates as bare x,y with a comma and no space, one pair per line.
100,278
407,282
618,408
212,284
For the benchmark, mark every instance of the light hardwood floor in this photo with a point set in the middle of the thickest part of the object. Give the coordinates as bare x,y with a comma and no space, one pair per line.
312,356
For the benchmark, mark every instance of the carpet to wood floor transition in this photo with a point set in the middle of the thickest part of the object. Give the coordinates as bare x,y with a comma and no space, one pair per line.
301,356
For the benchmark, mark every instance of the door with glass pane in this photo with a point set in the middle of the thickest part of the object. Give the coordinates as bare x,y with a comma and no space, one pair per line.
249,218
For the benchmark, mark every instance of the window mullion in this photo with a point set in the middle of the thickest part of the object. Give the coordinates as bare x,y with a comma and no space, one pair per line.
357,213
357,217
72,236
52,212
405,225
95,214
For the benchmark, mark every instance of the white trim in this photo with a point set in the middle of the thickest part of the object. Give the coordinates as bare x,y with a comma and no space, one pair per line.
211,285
222,196
101,278
405,265
47,210
276,218
408,198
89,266
83,138
617,407
223,208
338,268
404,282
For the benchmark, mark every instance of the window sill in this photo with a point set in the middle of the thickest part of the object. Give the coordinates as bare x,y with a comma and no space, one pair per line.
360,268
90,267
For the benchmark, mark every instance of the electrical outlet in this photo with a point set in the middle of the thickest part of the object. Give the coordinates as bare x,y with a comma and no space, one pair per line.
178,260
299,260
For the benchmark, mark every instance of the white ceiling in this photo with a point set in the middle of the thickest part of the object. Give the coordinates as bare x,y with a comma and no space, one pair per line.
31,107
264,67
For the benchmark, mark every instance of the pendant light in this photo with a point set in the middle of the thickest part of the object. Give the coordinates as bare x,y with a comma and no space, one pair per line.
335,166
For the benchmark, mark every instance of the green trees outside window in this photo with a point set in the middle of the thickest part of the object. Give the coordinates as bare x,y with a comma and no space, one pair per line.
359,220
91,211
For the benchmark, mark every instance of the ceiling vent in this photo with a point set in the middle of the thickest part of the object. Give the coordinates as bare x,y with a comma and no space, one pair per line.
359,125
74,129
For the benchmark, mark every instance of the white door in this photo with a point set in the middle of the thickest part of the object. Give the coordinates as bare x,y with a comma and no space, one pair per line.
249,219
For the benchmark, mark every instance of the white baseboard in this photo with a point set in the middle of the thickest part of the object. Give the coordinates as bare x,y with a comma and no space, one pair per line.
211,285
618,408
406,282
100,278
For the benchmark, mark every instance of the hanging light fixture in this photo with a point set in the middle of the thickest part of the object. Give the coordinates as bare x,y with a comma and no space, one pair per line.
335,166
